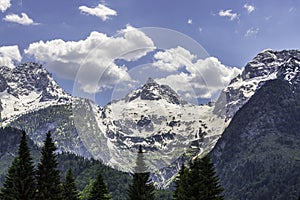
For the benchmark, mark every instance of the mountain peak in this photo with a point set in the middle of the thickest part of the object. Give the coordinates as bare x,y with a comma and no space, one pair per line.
266,65
151,90
31,77
270,61
151,81
28,87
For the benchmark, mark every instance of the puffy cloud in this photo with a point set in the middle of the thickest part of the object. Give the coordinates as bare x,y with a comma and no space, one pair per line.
190,21
100,11
202,78
251,32
23,19
91,62
249,8
4,5
228,13
173,59
9,54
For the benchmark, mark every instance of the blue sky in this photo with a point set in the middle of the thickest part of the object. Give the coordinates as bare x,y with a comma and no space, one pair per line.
231,31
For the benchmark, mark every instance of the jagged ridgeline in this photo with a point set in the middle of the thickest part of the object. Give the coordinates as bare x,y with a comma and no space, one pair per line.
258,155
259,151
153,115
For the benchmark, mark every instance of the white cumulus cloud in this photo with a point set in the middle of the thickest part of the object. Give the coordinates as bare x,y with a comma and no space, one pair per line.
251,32
249,8
173,59
190,21
91,62
4,5
23,19
100,11
196,78
228,13
9,54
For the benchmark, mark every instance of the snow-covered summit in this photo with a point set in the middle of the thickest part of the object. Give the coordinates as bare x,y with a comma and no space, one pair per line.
153,115
156,117
154,91
26,88
269,61
267,65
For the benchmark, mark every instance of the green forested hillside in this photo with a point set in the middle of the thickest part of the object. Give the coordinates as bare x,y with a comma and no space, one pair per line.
84,170
258,155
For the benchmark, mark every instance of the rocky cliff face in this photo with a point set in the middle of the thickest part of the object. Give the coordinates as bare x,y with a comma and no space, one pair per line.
267,65
27,88
258,155
153,115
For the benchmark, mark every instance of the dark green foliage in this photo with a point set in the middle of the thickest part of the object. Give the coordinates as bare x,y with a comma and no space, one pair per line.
199,182
208,186
8,190
163,194
99,190
258,155
48,178
85,193
20,182
141,188
181,191
59,119
70,191
85,169
9,143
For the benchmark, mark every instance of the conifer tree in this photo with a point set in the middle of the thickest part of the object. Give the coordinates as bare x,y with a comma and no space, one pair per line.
198,182
70,191
8,190
203,182
209,181
20,181
99,190
48,179
181,183
195,185
141,188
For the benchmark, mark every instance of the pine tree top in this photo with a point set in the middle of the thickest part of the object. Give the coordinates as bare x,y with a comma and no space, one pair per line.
20,180
70,191
99,189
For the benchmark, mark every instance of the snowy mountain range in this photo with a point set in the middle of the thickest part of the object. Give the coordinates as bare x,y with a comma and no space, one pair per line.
153,115
27,88
267,65
257,156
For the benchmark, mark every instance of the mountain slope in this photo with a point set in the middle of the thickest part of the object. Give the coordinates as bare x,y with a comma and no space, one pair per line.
170,129
153,115
258,155
157,118
27,88
83,169
267,65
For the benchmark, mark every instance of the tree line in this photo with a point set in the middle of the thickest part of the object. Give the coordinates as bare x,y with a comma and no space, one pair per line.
24,182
